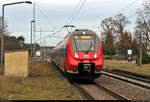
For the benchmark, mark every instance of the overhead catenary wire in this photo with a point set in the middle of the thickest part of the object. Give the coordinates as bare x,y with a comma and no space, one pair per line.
131,16
56,32
74,14
74,11
42,13
124,8
55,40
51,35
134,14
47,20
82,4
48,37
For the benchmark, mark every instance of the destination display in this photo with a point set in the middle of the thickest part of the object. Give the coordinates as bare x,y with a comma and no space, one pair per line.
83,37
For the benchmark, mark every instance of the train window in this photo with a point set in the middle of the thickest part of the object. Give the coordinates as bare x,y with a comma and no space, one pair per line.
85,44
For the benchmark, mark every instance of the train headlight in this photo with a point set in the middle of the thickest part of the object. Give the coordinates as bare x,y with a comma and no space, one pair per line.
95,55
76,55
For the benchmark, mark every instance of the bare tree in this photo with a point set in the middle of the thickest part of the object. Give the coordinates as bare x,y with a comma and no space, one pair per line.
119,23
143,27
5,30
144,18
108,37
146,5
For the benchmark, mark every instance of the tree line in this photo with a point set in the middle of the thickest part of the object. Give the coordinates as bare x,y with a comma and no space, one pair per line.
117,40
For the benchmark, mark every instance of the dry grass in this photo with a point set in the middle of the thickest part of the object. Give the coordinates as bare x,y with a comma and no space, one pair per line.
127,66
45,83
10,85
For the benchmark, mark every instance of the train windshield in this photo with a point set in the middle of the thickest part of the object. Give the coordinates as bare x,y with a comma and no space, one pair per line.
84,43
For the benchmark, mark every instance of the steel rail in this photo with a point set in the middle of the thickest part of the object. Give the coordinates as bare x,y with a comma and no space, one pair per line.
129,76
129,81
114,94
85,93
89,97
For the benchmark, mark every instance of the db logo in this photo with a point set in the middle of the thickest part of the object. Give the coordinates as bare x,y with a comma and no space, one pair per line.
86,56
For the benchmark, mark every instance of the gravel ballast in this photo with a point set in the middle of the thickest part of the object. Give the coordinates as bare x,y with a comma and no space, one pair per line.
126,89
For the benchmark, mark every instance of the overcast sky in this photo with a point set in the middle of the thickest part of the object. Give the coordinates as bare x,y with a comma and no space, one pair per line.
52,14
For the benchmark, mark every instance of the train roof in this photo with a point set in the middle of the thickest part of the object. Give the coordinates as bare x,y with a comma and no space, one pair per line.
83,31
76,31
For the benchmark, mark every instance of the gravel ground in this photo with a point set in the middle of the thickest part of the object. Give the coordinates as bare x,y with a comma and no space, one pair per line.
124,88
97,93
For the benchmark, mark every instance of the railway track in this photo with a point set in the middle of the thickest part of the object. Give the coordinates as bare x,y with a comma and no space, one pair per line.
90,96
130,75
114,94
83,91
130,79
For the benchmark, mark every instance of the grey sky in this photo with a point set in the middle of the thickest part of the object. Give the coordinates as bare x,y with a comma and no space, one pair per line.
58,12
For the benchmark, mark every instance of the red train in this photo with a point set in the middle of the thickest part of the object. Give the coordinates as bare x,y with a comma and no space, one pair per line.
79,55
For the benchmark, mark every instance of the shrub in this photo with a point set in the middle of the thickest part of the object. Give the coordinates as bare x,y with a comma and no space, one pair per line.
145,58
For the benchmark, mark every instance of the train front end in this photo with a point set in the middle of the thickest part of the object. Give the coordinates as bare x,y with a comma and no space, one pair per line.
84,55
